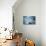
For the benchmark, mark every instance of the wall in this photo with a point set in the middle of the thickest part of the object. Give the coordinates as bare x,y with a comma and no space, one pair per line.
29,8
31,30
43,22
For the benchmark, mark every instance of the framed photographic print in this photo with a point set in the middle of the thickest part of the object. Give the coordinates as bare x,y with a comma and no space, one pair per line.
28,20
